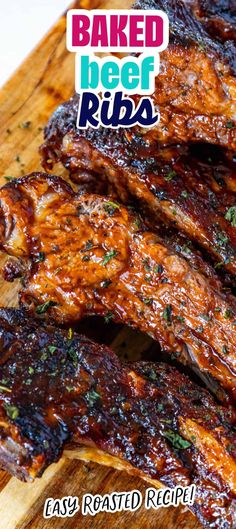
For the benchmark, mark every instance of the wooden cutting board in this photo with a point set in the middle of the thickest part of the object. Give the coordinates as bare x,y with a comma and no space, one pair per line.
44,80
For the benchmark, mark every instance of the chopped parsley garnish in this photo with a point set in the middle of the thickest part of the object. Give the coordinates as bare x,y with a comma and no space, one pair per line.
69,388
231,216
224,349
73,355
170,175
158,269
70,334
31,370
12,411
85,258
26,125
167,314
147,301
229,125
184,194
106,283
88,245
109,316
110,207
206,317
201,45
92,397
9,178
221,238
41,309
146,264
176,440
108,256
41,257
52,349
152,374
44,357
228,314
4,388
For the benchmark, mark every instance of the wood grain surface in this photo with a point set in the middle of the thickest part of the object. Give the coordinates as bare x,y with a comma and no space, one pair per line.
44,80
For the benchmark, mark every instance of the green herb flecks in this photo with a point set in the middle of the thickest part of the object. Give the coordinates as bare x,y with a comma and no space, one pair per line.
158,269
72,354
231,216
25,125
70,334
228,314
41,257
176,440
152,374
108,256
109,316
146,264
52,349
12,411
170,176
110,207
44,357
4,388
229,125
206,317
106,283
41,309
92,397
167,314
221,239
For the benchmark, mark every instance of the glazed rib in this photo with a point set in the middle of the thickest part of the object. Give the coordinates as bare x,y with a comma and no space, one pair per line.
86,255
196,87
218,17
56,387
170,184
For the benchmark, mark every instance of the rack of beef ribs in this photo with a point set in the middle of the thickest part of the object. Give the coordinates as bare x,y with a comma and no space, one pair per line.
57,386
171,184
86,255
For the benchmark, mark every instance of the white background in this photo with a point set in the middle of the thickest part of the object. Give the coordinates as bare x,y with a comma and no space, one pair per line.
22,24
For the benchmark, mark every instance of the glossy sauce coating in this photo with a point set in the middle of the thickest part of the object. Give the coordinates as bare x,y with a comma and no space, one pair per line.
56,386
196,87
88,255
192,195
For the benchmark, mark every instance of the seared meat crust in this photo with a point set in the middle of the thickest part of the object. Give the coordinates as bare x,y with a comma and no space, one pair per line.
170,184
217,16
56,387
87,255
196,88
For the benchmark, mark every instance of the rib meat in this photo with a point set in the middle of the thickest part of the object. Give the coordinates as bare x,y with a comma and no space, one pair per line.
56,387
87,255
217,16
196,88
171,184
